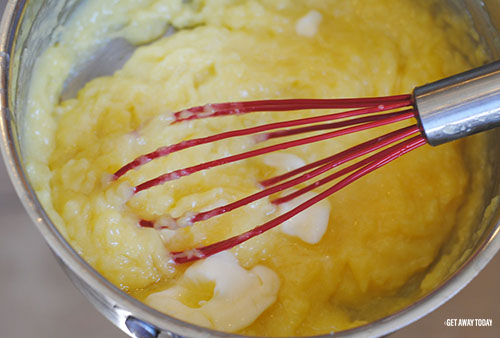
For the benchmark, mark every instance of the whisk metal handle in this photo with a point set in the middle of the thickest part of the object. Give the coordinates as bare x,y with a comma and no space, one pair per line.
460,105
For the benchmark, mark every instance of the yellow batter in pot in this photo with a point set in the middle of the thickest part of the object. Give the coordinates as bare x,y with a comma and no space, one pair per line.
366,252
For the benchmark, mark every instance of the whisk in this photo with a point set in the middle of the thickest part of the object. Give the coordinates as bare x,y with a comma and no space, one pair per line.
444,111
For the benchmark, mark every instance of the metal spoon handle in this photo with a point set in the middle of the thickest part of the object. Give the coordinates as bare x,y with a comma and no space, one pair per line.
460,105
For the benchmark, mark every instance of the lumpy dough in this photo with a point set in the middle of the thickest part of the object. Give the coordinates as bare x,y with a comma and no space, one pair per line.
365,252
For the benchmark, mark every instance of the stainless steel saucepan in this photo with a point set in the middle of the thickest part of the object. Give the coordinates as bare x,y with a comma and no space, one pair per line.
26,31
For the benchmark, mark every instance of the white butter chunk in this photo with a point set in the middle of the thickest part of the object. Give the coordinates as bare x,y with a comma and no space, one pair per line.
283,161
310,225
308,25
239,296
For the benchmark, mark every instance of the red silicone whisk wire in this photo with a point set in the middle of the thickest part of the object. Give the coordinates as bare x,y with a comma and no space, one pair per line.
364,114
379,161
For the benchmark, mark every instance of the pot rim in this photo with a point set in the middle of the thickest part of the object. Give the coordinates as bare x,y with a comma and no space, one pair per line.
124,305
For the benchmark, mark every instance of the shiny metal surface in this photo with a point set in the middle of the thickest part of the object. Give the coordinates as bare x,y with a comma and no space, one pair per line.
24,31
105,61
460,105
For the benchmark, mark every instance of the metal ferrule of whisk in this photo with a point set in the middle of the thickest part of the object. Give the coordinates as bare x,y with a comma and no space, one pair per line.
460,105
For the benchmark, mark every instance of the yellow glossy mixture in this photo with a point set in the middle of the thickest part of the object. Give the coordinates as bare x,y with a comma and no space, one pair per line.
375,244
